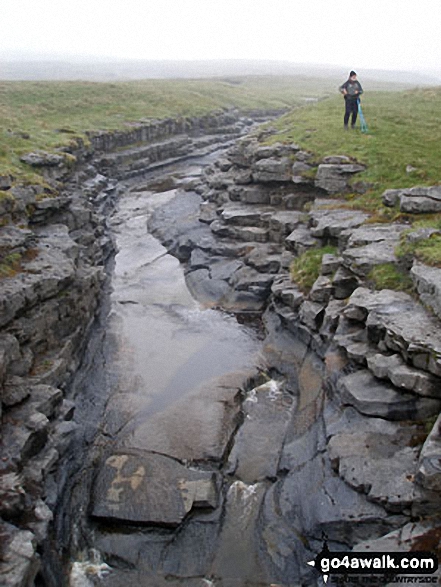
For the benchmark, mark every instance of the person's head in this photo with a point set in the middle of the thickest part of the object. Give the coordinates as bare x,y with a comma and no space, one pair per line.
352,76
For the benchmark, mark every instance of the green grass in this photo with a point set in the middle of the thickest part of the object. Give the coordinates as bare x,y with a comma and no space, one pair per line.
389,276
10,264
404,130
13,263
428,250
53,114
305,269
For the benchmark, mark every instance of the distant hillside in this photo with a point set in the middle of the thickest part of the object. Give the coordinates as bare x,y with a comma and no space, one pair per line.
107,70
48,114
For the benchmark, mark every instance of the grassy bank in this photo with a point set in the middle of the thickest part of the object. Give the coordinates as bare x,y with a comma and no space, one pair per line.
401,149
44,115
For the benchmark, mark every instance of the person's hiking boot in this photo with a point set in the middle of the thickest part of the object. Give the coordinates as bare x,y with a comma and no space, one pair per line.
345,127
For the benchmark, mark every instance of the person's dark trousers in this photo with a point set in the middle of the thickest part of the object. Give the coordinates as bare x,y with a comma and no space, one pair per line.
351,108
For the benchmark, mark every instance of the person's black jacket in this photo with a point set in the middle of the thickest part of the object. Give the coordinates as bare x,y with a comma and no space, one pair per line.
351,87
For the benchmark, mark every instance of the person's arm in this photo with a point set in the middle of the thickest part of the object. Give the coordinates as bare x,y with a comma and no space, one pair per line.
343,88
360,89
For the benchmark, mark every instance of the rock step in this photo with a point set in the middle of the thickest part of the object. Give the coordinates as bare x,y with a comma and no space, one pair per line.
415,200
242,233
414,536
373,464
333,176
280,223
386,315
151,151
361,260
376,457
403,376
265,258
300,240
428,283
244,217
247,278
285,198
375,398
328,223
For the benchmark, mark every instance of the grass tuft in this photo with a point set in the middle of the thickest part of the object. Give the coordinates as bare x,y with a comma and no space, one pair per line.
427,250
389,276
305,269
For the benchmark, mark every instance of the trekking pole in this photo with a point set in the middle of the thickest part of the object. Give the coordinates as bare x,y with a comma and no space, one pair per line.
363,125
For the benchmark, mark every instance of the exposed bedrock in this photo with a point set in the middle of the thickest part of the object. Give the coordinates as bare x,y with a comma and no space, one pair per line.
362,367
55,245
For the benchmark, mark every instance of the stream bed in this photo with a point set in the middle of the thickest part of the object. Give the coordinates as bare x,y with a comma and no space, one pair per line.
170,468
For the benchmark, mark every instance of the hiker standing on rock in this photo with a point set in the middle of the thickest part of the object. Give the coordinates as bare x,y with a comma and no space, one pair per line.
351,90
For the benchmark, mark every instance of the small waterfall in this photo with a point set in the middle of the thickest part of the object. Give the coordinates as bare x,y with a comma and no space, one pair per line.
271,388
244,497
82,572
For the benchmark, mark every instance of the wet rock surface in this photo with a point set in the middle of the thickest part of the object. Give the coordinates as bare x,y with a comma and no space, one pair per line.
349,431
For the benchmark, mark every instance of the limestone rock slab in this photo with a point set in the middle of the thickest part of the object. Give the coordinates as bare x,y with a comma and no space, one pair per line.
403,376
247,277
264,258
378,466
428,282
419,200
300,240
312,314
42,159
371,233
391,197
150,489
375,398
241,216
331,223
361,260
284,222
19,563
329,505
344,283
272,170
429,469
322,290
333,177
363,301
285,290
258,443
213,409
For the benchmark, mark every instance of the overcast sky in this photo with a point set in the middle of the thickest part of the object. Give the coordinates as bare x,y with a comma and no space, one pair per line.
384,34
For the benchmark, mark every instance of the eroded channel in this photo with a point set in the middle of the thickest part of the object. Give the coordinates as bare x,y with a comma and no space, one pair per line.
170,467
